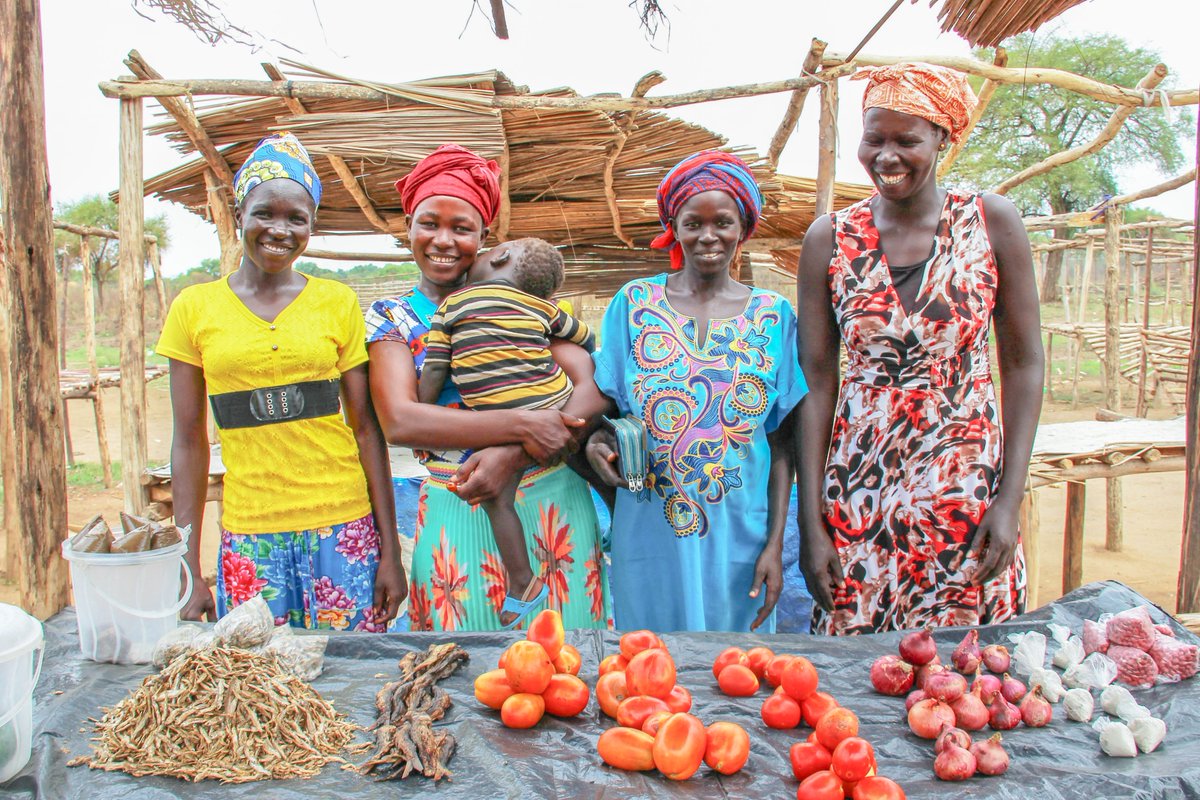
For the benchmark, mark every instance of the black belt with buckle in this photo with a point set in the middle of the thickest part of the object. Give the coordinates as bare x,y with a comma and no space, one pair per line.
273,404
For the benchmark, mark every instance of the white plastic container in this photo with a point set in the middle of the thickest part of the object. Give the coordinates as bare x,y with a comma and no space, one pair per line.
125,602
20,664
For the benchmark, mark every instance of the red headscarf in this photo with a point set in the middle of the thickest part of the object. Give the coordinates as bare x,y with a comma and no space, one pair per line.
454,171
937,94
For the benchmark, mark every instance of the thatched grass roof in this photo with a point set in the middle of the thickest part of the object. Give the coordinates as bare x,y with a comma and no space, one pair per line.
986,23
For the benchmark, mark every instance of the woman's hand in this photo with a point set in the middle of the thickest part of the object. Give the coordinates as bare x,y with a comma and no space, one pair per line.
601,452
391,587
200,607
485,472
995,542
547,437
769,570
820,563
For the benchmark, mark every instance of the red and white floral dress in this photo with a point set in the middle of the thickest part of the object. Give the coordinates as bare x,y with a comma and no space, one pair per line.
915,457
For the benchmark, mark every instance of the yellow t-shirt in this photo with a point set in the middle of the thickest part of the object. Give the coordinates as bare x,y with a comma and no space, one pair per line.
286,476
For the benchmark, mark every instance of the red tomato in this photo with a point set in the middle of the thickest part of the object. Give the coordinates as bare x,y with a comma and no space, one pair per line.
727,747
876,787
736,680
651,672
528,667
568,660
635,642
679,746
808,758
758,658
625,748
610,691
566,695
633,710
522,710
836,725
815,707
822,785
492,689
679,700
547,630
653,721
853,758
780,711
799,679
774,671
614,663
730,655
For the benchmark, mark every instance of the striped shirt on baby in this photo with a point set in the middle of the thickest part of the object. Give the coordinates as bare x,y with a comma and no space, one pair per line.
496,339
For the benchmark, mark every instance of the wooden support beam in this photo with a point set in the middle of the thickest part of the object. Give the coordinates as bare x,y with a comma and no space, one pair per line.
160,288
1105,92
89,330
1109,132
986,92
1156,189
827,148
624,128
1030,541
223,218
1187,595
1114,524
1112,259
812,63
1143,365
504,210
132,272
1096,471
1072,566
401,257
103,233
35,479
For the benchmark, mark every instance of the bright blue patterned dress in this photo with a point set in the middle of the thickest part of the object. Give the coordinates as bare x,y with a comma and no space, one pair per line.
684,558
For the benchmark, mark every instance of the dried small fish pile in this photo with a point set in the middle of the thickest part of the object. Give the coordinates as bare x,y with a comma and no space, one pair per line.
221,714
405,741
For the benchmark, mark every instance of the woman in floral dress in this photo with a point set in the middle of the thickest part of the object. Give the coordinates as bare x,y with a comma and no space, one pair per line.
458,580
912,477
309,521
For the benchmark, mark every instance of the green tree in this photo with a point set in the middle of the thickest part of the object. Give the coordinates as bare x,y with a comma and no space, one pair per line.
1026,124
98,211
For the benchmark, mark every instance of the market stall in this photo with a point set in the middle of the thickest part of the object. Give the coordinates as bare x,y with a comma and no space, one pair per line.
558,757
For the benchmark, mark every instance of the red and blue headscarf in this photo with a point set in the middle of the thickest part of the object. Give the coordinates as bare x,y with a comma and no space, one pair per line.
706,171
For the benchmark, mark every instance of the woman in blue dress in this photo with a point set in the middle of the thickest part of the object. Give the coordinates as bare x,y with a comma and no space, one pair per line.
709,367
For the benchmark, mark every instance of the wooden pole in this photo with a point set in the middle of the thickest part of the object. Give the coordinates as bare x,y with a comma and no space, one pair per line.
1029,542
159,287
812,63
62,359
1168,310
35,480
827,148
1089,260
986,92
89,329
1187,595
1143,366
222,217
133,291
1112,363
1049,365
1072,569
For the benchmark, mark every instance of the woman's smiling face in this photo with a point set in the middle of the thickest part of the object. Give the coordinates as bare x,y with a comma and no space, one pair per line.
899,151
277,218
445,234
709,228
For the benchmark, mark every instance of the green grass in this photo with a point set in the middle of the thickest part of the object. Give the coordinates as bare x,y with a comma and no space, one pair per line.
89,474
106,356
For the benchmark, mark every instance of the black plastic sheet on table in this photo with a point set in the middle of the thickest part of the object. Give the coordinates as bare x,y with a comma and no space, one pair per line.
558,758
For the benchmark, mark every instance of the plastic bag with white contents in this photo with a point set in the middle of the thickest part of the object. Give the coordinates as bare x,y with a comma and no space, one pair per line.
1029,651
248,625
1116,739
1051,684
1070,648
302,656
1094,672
175,643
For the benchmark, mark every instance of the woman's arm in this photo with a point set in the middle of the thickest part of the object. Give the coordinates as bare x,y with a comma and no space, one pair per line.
189,474
390,585
546,435
1017,316
769,567
819,344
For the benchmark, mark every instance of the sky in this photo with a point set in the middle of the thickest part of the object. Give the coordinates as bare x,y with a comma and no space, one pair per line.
592,46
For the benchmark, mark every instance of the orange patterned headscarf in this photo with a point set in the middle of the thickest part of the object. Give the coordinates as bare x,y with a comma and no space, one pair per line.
937,94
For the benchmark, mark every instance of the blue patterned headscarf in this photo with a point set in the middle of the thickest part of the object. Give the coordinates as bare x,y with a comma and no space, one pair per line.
703,172
280,155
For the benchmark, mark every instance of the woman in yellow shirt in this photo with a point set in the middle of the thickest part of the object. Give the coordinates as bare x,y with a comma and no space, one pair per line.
309,517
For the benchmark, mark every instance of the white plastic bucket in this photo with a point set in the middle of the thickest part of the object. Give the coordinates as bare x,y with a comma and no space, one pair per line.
20,665
125,602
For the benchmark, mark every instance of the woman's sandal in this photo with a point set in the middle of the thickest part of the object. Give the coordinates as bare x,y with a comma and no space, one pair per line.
522,608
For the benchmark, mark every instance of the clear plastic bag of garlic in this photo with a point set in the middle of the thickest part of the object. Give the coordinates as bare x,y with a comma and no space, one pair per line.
1028,651
1051,683
1070,648
1116,739
1117,700
1079,705
1148,733
1094,672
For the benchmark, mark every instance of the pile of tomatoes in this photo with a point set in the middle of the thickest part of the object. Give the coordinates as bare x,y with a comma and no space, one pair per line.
637,688
537,675
834,762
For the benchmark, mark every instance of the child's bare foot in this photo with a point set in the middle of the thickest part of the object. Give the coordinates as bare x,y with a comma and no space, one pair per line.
532,590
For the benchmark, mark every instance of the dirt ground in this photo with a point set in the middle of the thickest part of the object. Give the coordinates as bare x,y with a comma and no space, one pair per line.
1153,511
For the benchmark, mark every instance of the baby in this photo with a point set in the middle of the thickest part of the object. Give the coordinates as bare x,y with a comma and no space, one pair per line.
492,339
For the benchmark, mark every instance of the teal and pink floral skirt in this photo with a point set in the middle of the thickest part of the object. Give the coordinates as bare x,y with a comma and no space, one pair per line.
317,578
458,581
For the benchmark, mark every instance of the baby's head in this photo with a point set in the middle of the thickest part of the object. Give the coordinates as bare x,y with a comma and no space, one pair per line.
532,265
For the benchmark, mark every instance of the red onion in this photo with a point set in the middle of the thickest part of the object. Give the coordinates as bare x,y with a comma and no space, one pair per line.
918,648
946,686
967,655
990,756
1036,710
1003,715
951,735
924,671
989,686
1012,689
970,710
927,717
954,764
996,658
891,675
914,697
